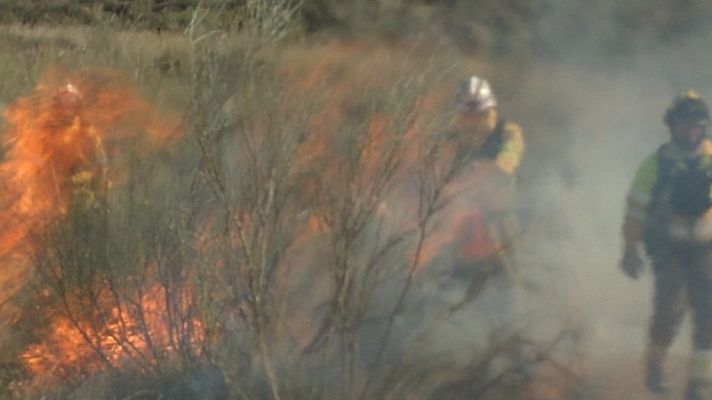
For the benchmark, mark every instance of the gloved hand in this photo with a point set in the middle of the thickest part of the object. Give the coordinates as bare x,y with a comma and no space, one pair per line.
633,262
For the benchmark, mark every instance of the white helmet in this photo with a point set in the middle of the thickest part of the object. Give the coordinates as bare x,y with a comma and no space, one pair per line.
68,94
475,94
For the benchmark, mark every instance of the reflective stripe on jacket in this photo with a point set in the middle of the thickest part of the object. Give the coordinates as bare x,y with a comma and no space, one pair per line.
648,205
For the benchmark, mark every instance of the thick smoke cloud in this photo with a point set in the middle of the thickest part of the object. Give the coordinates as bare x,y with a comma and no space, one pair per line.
605,86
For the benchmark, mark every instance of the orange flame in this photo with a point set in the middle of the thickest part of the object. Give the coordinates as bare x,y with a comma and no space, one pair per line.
64,135
72,123
142,334
66,129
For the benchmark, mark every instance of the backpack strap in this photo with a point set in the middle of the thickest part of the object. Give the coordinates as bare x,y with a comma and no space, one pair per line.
493,145
666,168
685,184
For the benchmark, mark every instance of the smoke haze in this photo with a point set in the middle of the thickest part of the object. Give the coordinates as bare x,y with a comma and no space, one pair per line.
605,88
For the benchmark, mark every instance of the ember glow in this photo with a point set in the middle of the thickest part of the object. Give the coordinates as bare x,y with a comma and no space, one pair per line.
140,333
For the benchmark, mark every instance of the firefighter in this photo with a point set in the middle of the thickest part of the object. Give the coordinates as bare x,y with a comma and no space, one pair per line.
85,226
87,179
81,160
495,147
669,218
482,132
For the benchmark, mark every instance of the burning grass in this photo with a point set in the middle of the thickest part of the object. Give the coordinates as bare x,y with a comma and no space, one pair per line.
60,140
280,235
137,333
63,154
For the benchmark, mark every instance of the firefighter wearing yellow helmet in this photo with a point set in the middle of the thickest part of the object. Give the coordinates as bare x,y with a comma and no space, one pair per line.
669,217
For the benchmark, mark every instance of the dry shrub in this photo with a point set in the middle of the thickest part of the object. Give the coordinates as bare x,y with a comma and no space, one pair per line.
274,251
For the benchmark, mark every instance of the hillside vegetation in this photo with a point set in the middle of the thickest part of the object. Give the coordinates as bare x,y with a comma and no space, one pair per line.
263,195
502,26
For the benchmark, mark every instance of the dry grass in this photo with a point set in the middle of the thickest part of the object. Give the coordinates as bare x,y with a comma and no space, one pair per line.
263,236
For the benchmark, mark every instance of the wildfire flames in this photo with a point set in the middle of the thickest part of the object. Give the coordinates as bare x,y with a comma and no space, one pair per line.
61,141
77,346
62,144
61,135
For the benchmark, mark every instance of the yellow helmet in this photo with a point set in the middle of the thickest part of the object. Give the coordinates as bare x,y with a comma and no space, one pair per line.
687,106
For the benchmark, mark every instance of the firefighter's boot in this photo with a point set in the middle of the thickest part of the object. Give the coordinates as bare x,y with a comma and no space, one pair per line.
654,370
699,384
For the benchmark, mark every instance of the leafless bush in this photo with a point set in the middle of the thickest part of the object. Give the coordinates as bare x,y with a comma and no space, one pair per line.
116,271
277,247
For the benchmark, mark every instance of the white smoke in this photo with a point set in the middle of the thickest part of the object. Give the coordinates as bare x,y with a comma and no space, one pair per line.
609,107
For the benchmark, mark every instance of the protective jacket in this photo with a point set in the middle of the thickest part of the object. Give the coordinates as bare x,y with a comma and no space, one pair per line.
88,180
492,224
670,200
505,146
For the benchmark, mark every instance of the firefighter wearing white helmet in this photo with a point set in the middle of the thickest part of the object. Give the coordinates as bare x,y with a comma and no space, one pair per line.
482,129
497,146
669,217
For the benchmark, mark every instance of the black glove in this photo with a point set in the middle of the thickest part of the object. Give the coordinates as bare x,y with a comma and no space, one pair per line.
633,262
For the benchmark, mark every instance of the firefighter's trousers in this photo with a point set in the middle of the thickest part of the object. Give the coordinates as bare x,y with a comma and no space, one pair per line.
683,278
